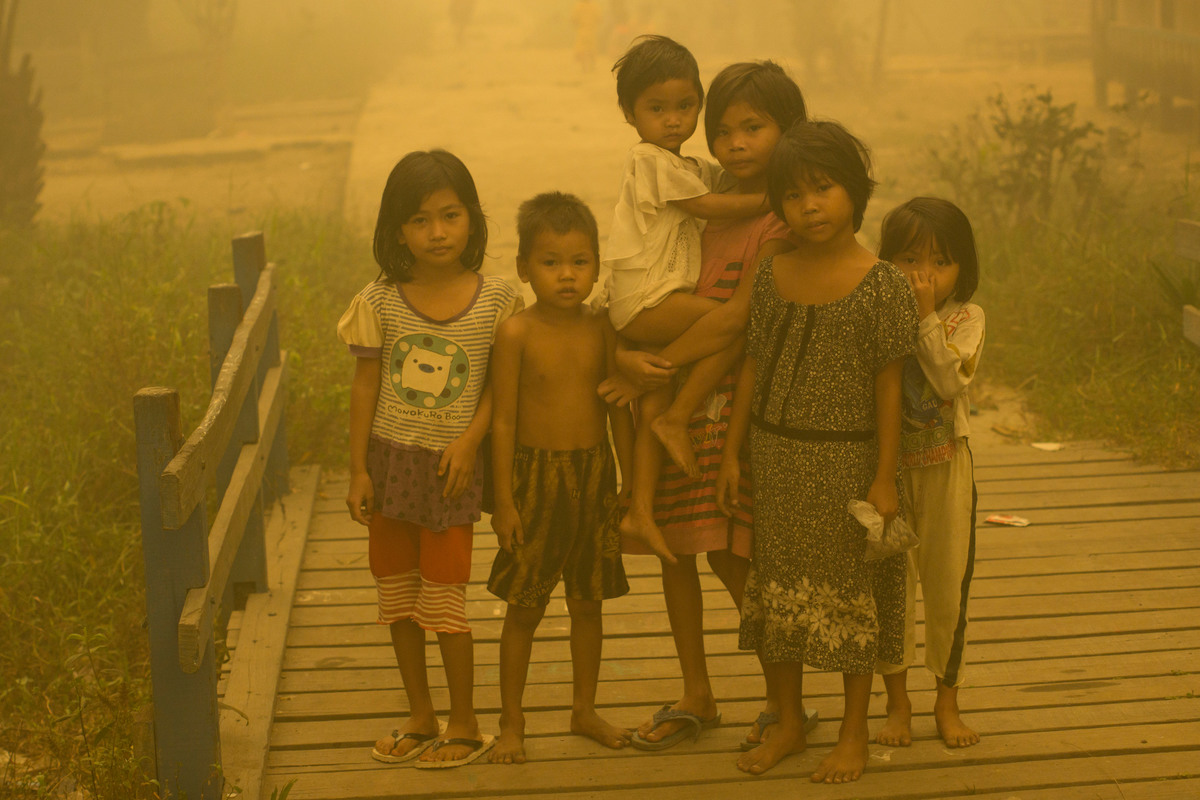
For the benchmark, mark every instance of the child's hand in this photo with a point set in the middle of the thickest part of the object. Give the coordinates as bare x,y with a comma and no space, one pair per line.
361,498
924,286
882,495
458,466
506,522
618,391
728,478
645,371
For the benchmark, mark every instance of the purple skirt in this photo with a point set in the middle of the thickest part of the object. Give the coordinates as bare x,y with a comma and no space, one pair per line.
407,487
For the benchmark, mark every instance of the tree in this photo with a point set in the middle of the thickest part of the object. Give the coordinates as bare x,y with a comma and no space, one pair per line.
21,145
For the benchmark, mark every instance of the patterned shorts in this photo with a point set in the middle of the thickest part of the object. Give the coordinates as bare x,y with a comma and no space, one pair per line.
567,500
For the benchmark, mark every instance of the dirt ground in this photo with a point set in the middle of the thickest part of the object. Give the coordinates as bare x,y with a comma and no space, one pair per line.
525,118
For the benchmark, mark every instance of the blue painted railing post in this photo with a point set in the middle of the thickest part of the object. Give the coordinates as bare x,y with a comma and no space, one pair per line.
186,736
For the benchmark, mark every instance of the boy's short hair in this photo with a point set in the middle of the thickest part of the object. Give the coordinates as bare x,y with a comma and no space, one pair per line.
944,226
558,212
764,85
821,148
650,60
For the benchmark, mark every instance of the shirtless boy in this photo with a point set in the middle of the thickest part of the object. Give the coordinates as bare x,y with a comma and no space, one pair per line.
555,479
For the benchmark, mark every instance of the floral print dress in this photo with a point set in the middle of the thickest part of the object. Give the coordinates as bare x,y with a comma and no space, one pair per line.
810,597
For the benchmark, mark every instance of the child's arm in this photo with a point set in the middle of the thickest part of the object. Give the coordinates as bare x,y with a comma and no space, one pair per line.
619,415
457,464
719,205
506,369
882,493
949,360
735,437
364,394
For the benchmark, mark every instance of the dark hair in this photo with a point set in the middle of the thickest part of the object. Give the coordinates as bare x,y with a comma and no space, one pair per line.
813,149
944,226
764,85
416,176
559,212
651,60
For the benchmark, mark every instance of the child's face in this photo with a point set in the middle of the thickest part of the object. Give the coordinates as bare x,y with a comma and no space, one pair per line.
666,113
744,141
818,210
561,268
928,259
437,234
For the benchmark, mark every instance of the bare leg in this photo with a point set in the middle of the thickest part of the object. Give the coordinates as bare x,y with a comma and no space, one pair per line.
951,728
671,426
638,523
458,656
663,323
587,636
516,643
408,642
788,736
897,731
849,757
685,610
732,571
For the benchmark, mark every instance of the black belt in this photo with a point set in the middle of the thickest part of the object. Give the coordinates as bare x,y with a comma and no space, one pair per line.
811,435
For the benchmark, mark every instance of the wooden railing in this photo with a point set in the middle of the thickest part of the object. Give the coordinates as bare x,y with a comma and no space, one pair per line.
197,573
1187,245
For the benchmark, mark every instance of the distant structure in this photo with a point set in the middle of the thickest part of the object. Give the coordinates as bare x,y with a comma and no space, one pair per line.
1148,45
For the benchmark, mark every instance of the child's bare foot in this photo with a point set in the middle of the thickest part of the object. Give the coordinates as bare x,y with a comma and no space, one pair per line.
950,727
592,725
674,438
639,526
783,741
848,759
510,744
897,731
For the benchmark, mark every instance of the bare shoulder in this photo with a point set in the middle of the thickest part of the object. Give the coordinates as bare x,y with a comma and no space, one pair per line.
513,330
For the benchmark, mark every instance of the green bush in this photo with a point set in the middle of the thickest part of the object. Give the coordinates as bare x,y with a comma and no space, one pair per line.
1070,231
93,311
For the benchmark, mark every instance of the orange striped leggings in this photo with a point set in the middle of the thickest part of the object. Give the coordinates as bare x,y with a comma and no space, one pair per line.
421,574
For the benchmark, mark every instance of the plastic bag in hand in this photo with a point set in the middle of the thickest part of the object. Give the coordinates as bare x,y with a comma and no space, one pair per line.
882,541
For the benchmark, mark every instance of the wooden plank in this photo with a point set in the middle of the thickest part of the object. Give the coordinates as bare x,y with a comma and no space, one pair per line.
719,645
979,672
1191,324
909,772
640,691
1186,484
187,476
1187,239
254,669
229,524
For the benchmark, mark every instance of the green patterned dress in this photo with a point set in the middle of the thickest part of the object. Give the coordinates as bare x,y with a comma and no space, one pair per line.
810,596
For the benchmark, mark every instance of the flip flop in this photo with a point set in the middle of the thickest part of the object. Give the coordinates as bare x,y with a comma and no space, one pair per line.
695,726
424,740
481,746
765,718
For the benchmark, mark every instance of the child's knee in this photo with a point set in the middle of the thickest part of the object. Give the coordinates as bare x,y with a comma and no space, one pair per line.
584,609
524,617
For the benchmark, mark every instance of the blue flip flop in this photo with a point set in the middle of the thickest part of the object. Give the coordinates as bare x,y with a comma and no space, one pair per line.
695,726
765,718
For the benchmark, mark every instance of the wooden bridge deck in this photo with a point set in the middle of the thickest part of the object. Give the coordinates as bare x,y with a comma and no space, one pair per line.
1084,662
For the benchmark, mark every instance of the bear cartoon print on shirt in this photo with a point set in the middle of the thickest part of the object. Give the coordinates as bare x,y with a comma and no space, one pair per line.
428,371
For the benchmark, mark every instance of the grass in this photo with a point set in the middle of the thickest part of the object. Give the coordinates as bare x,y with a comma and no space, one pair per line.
90,312
1077,259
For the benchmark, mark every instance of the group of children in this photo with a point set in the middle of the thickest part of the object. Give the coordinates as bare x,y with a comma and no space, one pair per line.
754,331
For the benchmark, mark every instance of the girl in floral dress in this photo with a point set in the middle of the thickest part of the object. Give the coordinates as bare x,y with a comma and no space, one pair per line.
818,401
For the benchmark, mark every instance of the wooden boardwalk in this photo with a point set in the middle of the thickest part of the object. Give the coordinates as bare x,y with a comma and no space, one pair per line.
1084,663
